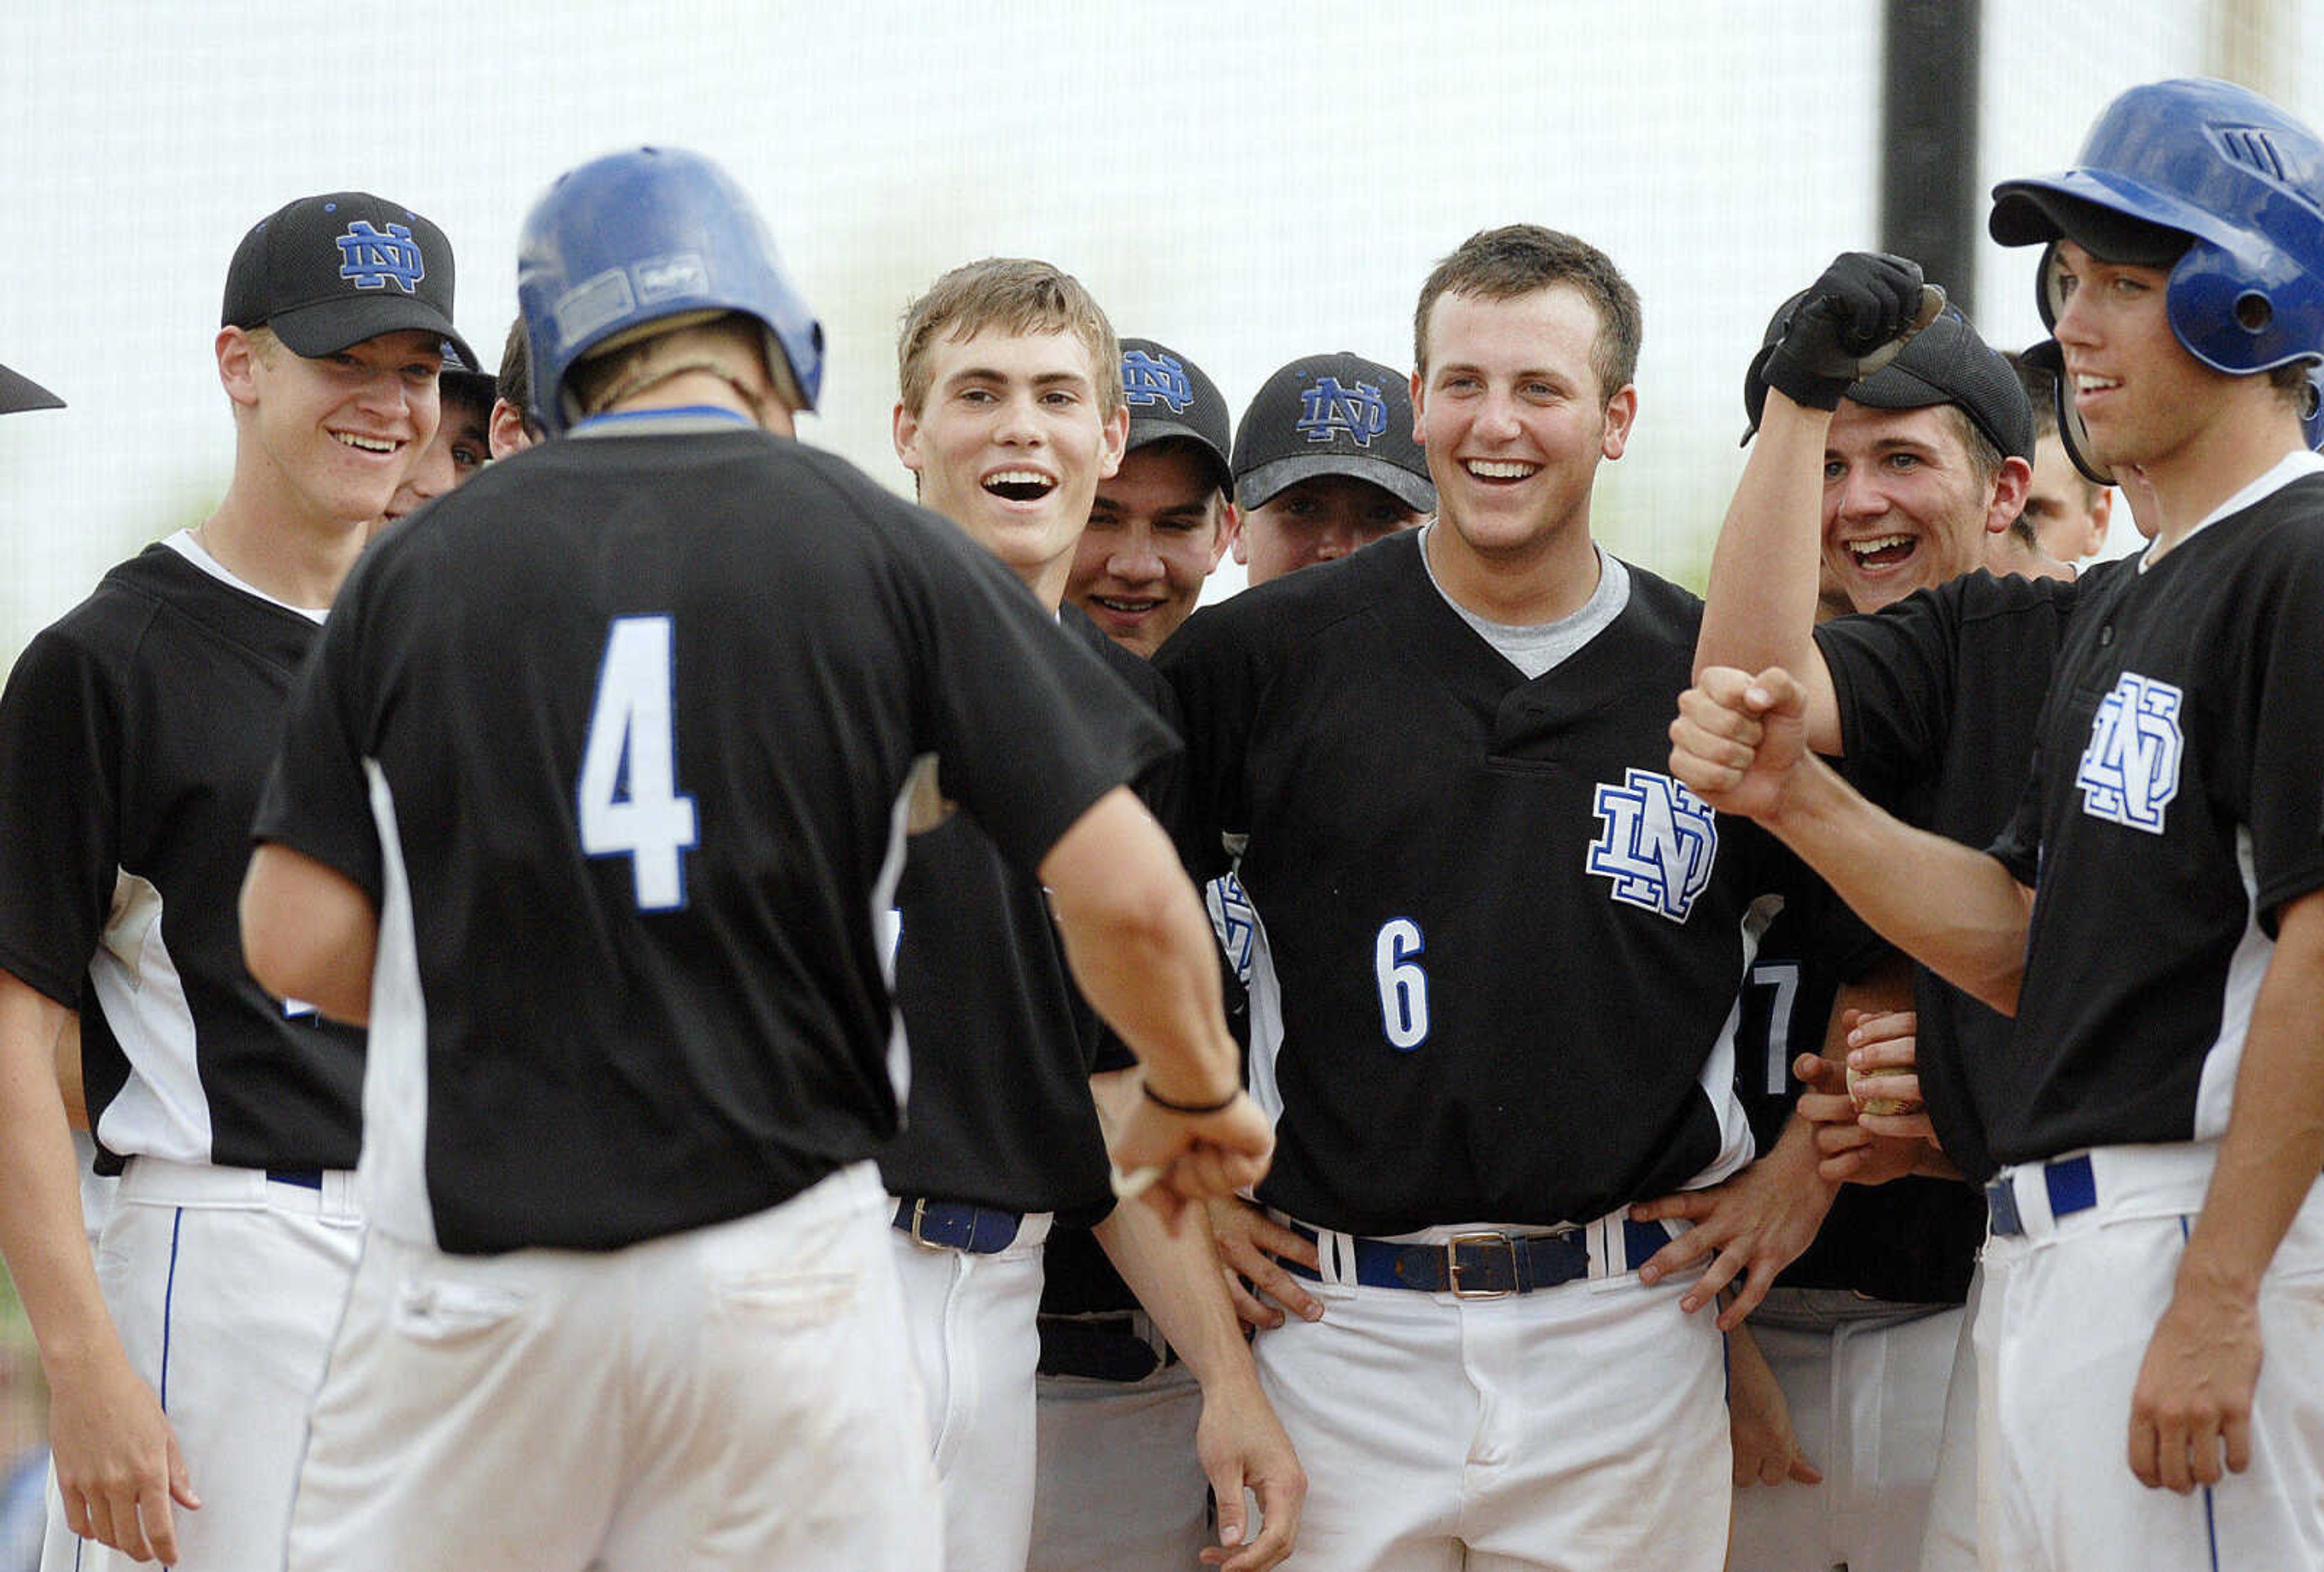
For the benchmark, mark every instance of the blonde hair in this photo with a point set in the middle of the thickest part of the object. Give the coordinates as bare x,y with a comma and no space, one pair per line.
1015,295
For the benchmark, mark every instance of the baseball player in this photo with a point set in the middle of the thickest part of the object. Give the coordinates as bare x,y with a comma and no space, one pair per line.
1161,522
463,442
134,735
1324,463
2068,512
631,1046
1921,462
1010,417
1118,1484
2157,1220
1497,1006
513,427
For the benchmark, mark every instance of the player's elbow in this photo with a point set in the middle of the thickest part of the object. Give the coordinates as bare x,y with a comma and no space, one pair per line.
307,933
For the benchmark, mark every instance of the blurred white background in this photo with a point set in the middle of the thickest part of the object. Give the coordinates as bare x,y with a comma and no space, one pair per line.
1244,183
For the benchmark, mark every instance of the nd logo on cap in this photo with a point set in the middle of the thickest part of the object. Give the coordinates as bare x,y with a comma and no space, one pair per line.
1331,407
372,261
326,271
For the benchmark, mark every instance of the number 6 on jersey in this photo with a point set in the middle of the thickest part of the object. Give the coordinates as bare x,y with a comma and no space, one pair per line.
629,801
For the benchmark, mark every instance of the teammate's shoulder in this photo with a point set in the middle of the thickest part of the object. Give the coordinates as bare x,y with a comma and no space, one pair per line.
1657,607
1295,606
1983,594
130,594
1131,668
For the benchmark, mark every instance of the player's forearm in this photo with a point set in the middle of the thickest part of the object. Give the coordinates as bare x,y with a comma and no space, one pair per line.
1176,1276
309,933
1955,910
1142,948
43,1235
1760,609
2274,1145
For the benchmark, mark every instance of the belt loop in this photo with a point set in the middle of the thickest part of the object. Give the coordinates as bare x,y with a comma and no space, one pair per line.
342,1202
1335,1256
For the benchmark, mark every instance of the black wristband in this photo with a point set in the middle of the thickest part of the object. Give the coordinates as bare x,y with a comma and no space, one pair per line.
1159,1101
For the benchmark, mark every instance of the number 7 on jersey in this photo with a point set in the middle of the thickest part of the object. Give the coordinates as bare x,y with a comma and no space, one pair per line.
629,804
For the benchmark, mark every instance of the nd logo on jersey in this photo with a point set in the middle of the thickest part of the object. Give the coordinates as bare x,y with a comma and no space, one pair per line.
2130,772
1657,842
1236,920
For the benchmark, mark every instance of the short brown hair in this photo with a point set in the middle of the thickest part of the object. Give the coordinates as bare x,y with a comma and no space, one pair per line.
1501,265
514,381
725,344
1016,295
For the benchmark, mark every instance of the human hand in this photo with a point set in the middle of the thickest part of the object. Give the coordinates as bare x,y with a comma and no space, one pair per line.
1740,740
1242,1447
1751,1227
1252,1247
1169,1156
2193,1398
117,1464
1759,1420
1854,319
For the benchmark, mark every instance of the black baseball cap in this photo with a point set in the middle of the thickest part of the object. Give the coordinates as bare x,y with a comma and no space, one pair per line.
1331,415
22,393
328,271
1946,362
477,382
1169,396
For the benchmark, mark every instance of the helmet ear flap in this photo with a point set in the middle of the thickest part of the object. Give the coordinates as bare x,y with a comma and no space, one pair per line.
2073,434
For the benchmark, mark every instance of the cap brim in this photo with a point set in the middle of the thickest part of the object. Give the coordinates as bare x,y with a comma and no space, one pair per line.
1150,430
330,326
2037,212
484,385
1260,485
22,393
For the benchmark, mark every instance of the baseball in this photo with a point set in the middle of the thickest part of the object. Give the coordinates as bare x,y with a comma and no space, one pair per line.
1880,1107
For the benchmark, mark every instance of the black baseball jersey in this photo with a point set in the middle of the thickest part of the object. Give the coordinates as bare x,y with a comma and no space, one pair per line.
1939,699
134,736
1911,1241
618,735
2175,809
1500,946
1002,1043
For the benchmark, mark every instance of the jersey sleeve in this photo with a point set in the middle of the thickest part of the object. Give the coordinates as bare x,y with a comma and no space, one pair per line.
317,801
2285,722
60,754
2018,846
1893,672
1216,676
1029,729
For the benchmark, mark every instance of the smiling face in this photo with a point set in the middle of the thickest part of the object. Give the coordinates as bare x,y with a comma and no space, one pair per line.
1010,442
1510,411
462,444
2142,397
337,434
1154,532
1903,508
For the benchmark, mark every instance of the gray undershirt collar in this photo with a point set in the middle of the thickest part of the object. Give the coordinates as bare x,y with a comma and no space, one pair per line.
1536,648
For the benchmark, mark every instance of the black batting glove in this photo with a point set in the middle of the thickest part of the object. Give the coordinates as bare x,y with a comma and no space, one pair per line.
1867,303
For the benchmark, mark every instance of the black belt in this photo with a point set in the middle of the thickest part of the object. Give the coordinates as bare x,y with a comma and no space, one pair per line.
2072,1184
1110,1346
957,1225
306,1178
1483,1266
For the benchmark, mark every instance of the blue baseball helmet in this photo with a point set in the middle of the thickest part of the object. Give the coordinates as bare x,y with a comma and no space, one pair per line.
2217,184
636,238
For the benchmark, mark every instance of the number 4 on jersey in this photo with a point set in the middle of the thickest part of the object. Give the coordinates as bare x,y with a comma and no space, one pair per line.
629,801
